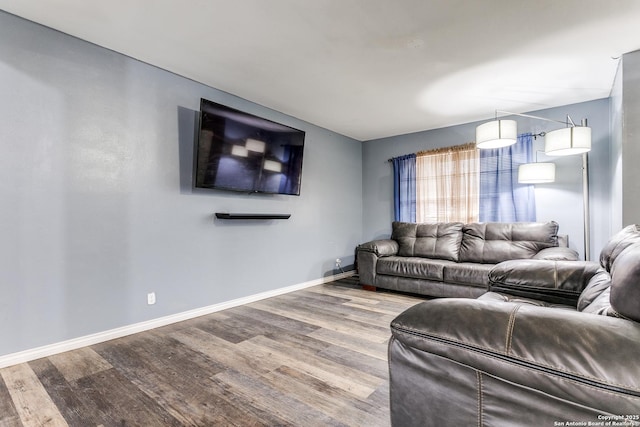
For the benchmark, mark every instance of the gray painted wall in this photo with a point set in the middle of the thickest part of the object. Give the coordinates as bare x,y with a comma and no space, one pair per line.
615,152
97,204
560,201
630,152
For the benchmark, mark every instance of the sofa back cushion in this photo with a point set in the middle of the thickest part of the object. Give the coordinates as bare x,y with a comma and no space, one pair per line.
438,240
615,289
617,293
618,243
625,283
494,242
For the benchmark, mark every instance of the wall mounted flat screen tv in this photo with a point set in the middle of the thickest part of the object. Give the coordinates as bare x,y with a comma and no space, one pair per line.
238,151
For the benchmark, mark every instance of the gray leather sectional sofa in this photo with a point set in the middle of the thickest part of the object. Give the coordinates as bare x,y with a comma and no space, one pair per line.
554,343
453,259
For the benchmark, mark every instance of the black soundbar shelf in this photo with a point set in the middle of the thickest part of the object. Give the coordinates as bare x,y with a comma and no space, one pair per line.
223,215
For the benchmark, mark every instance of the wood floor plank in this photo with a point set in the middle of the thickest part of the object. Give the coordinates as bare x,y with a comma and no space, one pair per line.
8,415
301,345
244,403
314,357
379,399
353,342
32,402
215,325
324,320
177,378
162,369
79,363
327,299
329,400
353,381
122,402
377,308
281,322
224,352
286,407
366,297
243,327
358,314
74,410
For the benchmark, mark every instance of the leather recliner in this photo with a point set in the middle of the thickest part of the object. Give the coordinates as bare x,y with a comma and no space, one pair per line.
552,343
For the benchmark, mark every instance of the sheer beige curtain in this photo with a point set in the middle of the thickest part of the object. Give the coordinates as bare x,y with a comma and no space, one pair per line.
448,184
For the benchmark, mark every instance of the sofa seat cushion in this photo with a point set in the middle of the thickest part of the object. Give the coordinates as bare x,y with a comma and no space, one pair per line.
428,240
494,242
468,273
413,267
498,297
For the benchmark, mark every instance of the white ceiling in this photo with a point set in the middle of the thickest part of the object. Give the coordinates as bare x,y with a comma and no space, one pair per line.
368,68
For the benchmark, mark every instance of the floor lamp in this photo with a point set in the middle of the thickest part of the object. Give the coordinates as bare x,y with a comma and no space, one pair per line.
567,141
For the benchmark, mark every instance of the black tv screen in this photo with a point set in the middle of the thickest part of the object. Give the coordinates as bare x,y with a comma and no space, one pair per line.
241,152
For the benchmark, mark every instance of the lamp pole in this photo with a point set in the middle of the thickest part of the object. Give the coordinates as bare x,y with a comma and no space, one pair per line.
585,205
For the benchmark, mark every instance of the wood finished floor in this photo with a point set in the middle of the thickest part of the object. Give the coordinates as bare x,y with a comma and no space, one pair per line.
315,357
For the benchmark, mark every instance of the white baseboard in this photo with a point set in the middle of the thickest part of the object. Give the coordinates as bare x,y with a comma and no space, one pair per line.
87,340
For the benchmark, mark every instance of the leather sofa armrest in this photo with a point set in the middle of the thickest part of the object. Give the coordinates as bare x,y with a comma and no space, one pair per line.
564,353
383,247
368,254
559,253
558,282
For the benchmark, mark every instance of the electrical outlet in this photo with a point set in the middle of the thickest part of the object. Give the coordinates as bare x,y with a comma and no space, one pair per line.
338,262
151,298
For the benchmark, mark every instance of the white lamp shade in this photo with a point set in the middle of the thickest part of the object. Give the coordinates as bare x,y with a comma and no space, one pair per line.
255,145
272,165
496,134
536,173
568,141
240,151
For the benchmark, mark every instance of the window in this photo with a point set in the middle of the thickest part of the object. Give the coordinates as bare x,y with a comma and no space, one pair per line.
464,184
447,184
